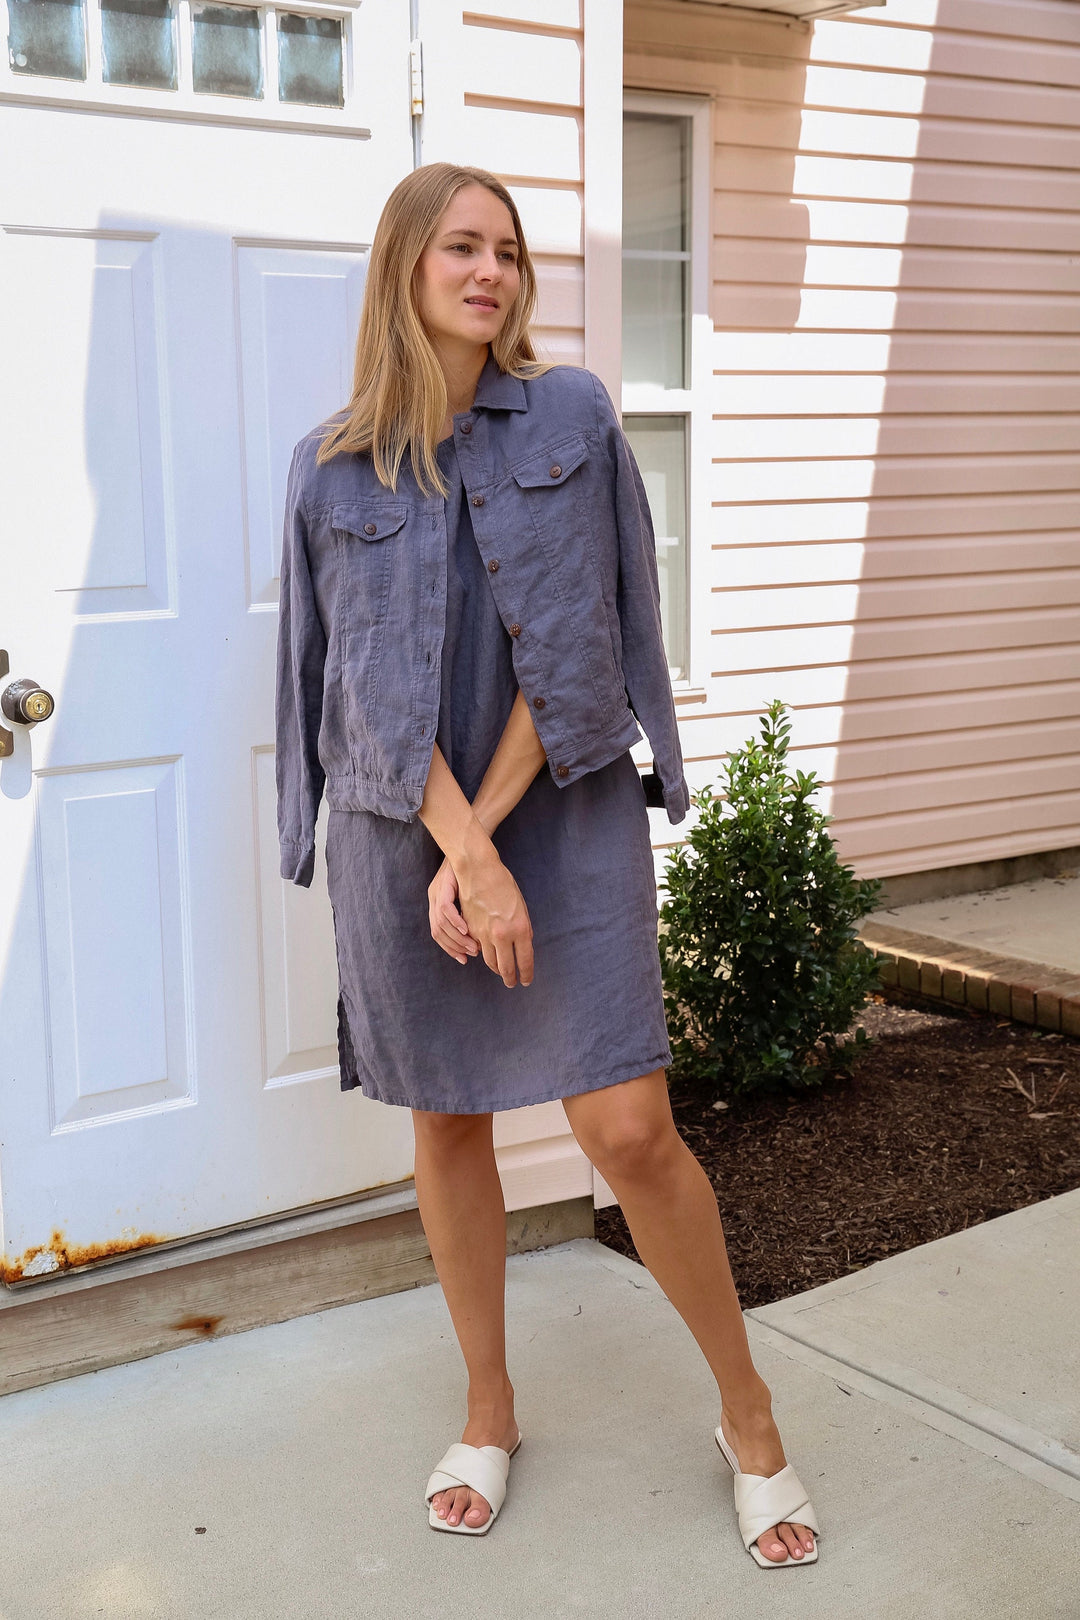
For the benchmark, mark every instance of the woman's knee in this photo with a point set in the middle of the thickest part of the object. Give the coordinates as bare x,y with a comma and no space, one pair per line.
447,1131
626,1135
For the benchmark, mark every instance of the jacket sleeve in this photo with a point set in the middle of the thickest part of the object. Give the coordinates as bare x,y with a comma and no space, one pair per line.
644,658
301,657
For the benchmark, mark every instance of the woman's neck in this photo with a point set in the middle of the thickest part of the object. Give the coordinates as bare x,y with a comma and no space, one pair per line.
461,369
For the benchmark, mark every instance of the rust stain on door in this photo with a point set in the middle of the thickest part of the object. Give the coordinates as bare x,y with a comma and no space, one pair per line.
58,1255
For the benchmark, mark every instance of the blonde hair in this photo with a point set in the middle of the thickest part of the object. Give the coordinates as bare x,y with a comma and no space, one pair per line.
399,399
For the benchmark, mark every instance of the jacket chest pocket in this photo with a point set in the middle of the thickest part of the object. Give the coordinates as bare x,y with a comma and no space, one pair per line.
554,486
371,556
548,478
558,488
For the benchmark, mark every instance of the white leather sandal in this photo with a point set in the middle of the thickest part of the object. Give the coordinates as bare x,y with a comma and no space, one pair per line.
763,1501
483,1469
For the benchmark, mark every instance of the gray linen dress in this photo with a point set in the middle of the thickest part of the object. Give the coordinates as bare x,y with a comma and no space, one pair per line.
416,1027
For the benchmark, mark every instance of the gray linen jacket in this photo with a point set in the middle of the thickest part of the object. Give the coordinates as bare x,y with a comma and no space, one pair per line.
561,520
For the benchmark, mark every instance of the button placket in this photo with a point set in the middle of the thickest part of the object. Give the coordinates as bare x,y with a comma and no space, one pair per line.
434,565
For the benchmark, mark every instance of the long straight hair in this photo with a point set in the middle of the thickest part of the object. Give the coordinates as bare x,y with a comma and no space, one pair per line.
399,399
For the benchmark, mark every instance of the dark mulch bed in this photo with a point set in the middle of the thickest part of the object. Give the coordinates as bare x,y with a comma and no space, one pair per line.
931,1134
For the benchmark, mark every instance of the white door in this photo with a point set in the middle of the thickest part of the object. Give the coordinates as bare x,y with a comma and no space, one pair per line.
180,275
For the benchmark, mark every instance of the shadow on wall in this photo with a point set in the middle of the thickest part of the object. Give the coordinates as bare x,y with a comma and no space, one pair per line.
959,737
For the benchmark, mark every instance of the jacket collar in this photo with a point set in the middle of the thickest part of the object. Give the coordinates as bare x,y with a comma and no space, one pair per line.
498,391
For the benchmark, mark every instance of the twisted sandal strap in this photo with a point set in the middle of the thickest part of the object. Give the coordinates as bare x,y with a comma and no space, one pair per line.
482,1468
761,1502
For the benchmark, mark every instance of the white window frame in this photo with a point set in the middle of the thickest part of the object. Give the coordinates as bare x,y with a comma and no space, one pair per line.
695,401
185,102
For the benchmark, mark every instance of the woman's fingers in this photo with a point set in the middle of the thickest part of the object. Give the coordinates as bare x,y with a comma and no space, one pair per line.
497,916
448,927
451,944
446,931
524,951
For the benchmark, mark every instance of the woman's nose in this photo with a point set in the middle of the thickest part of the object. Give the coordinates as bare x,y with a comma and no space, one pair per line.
489,269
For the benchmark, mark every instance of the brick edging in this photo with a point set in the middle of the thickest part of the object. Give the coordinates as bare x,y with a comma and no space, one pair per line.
1029,992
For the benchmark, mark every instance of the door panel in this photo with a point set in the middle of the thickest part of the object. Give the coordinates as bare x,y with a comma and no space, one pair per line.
298,309
182,296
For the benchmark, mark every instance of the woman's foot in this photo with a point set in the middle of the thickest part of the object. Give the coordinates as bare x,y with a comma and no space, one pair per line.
755,1440
462,1504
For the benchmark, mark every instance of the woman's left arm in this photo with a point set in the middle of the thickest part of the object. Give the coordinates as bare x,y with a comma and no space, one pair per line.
515,762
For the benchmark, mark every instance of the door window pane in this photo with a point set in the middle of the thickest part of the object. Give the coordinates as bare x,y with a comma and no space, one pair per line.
226,58
309,59
656,248
138,42
659,446
48,37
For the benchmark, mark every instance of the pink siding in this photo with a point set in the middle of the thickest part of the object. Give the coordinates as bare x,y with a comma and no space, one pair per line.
896,219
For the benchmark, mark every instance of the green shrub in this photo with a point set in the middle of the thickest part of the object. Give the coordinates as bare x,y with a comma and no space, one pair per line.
761,963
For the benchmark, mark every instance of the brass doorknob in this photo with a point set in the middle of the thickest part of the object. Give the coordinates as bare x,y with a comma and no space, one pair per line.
26,702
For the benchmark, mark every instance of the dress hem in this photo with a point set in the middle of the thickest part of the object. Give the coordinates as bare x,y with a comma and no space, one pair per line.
625,1071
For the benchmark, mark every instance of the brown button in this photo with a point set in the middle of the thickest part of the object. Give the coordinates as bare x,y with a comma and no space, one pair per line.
515,629
556,471
493,566
466,427
478,500
539,703
562,770
369,528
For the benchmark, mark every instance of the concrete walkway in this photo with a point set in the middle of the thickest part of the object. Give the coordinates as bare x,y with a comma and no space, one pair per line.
930,1404
1012,951
1037,921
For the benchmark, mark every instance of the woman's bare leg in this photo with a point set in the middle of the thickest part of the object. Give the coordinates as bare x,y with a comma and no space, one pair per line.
461,1206
628,1132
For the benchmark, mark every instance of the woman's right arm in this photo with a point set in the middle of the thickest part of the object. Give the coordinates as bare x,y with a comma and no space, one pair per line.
491,903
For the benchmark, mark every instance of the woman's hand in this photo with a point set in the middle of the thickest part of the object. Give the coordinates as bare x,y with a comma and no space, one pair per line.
495,914
448,927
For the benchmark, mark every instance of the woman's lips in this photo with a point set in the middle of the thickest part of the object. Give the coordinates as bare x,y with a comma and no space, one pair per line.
482,303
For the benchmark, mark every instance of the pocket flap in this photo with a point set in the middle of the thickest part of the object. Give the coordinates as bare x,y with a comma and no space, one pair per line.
368,519
552,467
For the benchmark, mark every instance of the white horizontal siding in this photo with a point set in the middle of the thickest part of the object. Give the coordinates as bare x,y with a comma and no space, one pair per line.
508,77
896,539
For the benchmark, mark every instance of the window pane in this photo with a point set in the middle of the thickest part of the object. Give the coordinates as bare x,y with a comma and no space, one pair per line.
654,321
655,182
138,42
47,36
656,248
659,446
226,59
309,59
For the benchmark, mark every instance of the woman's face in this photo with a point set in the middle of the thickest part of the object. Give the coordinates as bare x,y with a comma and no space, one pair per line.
468,276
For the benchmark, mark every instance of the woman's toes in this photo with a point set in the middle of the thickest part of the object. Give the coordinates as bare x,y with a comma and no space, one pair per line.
805,1535
773,1549
467,1506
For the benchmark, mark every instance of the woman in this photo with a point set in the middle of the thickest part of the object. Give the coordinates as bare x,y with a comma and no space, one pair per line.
469,594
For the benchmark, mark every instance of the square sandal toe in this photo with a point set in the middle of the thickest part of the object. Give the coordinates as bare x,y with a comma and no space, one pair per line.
483,1469
762,1501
